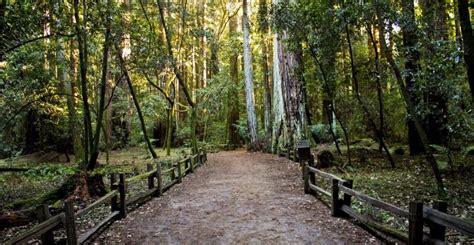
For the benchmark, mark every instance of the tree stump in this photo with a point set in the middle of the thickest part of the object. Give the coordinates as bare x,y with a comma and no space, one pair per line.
325,159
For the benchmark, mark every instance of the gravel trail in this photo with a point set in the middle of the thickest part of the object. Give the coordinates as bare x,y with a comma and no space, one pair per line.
236,198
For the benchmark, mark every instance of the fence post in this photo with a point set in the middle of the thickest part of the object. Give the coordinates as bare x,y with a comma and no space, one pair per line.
180,175
122,191
113,186
335,198
42,213
415,226
69,223
312,177
205,156
172,173
151,178
159,179
306,179
193,160
438,231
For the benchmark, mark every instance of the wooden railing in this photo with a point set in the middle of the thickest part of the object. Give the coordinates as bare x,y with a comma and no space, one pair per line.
118,199
417,215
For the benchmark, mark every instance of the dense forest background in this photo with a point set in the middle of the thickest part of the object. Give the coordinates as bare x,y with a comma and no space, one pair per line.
391,81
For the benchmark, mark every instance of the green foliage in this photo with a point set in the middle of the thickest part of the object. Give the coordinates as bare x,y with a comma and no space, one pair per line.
50,171
322,132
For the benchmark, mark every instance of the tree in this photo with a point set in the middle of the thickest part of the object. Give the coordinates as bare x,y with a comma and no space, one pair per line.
468,41
248,74
410,42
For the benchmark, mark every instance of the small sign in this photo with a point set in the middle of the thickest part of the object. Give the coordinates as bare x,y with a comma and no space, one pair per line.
302,144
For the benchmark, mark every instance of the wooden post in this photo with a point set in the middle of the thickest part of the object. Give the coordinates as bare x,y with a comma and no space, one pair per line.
113,186
415,226
306,179
151,178
438,231
193,160
159,179
122,191
335,198
205,157
42,213
69,223
312,177
180,175
173,174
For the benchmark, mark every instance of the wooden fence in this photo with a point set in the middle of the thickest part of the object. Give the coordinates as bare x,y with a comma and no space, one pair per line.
117,198
419,216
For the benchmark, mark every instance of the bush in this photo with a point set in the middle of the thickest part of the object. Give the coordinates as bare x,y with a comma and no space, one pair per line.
322,133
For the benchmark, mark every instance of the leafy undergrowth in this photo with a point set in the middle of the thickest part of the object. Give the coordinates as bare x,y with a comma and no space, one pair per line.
411,180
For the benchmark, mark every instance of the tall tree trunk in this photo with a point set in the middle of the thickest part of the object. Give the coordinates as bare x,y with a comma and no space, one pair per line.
266,76
468,43
278,122
233,98
248,74
410,41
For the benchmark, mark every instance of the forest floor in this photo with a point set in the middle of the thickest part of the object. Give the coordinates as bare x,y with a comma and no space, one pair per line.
237,197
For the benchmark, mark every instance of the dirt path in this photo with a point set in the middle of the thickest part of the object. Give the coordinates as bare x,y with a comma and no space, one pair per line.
237,197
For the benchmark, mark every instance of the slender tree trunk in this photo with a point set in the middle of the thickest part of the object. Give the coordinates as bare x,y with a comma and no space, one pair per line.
103,86
135,101
83,62
379,85
468,43
248,74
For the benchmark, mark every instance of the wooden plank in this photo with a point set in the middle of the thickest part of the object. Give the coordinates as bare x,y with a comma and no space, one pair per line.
38,230
140,196
318,189
97,229
169,185
402,236
448,221
184,160
140,177
324,174
168,171
380,204
97,203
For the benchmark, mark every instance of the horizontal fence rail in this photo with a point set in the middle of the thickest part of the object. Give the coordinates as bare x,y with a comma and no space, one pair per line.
117,198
